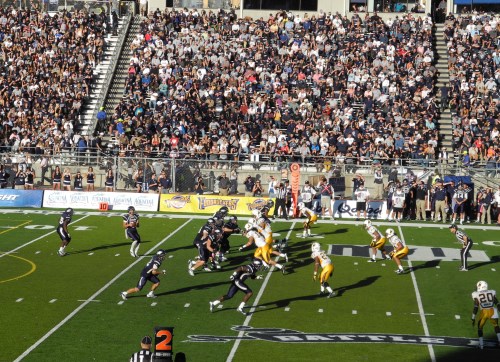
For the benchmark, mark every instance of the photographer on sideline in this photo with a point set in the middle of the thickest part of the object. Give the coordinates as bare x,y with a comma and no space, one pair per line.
249,184
199,186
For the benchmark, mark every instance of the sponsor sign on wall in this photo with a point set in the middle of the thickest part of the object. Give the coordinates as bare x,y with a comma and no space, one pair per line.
208,204
91,200
20,198
346,209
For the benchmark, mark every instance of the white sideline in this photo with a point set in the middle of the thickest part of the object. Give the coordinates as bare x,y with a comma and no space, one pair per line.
106,286
255,303
419,301
40,237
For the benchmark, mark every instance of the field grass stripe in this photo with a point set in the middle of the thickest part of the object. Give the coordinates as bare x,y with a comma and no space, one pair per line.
106,286
32,241
419,301
255,303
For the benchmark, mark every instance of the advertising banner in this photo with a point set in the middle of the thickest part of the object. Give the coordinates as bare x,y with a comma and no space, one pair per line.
346,209
209,204
20,198
91,200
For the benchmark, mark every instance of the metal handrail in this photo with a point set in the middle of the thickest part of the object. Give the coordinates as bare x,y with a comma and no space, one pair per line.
111,69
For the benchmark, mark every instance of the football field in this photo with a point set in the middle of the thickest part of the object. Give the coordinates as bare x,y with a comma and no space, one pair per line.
69,308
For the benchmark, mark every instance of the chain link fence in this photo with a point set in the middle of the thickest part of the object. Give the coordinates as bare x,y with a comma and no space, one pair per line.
183,172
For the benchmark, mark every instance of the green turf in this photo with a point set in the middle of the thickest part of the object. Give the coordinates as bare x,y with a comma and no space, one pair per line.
104,330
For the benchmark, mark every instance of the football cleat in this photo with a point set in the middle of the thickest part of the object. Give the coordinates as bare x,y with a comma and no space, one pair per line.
387,257
372,260
132,254
191,272
151,295
286,257
400,271
283,270
331,295
61,253
207,269
241,311
211,306
123,295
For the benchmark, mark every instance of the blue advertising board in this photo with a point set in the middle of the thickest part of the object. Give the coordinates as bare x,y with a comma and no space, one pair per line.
20,198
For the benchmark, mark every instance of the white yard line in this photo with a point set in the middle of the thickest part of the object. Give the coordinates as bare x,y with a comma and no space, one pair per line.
106,286
255,303
40,237
419,301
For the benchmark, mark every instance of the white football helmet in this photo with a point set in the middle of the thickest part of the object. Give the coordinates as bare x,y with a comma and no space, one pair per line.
315,247
301,205
481,286
248,227
367,223
389,233
256,213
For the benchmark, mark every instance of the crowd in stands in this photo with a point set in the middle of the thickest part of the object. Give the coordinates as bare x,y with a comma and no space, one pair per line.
46,73
208,84
474,59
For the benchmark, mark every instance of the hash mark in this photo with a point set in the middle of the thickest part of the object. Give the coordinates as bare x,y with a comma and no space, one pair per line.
493,269
438,267
383,264
38,252
91,253
354,312
117,254
19,300
457,316
186,305
388,314
287,309
53,300
356,263
153,304
121,302
219,306
320,310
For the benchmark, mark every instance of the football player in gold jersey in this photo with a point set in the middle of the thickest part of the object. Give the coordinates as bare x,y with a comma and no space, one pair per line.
311,218
263,250
486,301
400,249
377,243
320,258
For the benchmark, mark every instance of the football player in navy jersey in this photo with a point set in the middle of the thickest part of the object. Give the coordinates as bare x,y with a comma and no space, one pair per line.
458,201
238,283
228,229
203,242
221,213
130,224
62,230
149,272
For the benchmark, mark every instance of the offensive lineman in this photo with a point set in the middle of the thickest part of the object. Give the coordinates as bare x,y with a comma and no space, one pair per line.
62,230
400,249
485,300
320,258
377,243
311,218
130,224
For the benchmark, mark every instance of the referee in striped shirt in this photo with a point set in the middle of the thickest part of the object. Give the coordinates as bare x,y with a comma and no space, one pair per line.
466,245
281,195
144,355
